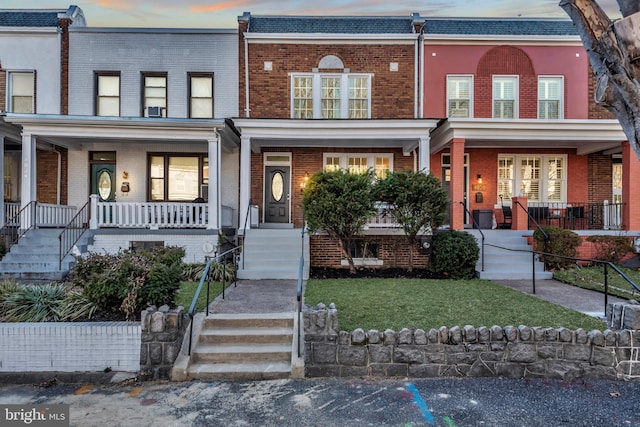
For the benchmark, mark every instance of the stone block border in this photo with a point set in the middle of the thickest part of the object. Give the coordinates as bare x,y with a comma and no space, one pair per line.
511,351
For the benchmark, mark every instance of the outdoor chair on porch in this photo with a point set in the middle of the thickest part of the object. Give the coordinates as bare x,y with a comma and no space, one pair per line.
506,218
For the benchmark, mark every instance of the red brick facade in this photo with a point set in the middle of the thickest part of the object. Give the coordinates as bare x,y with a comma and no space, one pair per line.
47,176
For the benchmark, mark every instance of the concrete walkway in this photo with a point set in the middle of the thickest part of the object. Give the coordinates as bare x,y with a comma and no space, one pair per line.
582,300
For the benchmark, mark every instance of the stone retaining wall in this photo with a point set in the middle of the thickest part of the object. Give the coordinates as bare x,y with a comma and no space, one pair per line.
162,333
513,352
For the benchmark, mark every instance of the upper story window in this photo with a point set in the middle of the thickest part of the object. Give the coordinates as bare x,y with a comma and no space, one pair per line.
201,95
541,178
330,96
154,95
107,94
505,97
21,92
459,96
381,163
550,91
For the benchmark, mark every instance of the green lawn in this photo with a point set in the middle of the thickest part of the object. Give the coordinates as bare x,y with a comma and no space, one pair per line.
593,278
415,303
188,290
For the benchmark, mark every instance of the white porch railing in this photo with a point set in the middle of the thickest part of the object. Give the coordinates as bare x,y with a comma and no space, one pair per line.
11,209
150,215
612,216
54,215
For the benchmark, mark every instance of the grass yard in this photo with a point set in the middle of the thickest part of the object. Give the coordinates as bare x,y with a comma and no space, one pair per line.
593,278
415,303
187,290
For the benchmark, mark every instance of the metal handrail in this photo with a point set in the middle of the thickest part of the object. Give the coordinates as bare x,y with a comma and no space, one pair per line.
475,223
13,233
72,233
206,275
244,230
299,291
544,233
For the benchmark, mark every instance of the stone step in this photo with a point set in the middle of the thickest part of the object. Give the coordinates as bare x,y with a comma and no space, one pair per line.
247,335
248,320
248,353
245,372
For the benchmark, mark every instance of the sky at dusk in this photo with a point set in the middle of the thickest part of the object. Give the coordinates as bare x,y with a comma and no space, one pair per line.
224,13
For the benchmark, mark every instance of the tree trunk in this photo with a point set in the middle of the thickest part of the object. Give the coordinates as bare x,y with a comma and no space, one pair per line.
347,254
614,52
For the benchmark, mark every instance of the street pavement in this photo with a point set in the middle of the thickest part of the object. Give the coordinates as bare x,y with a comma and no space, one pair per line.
336,402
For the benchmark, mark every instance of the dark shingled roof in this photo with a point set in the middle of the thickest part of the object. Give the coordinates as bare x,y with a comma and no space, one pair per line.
20,18
331,24
499,27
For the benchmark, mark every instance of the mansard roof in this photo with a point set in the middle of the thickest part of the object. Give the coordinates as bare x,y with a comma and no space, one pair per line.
39,17
500,27
331,24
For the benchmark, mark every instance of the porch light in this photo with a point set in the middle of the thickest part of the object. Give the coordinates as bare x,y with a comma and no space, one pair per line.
303,184
479,177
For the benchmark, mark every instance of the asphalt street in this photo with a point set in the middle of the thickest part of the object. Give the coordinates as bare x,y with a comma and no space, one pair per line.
333,402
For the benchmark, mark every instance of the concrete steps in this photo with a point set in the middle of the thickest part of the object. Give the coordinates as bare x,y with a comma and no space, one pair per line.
273,254
243,347
35,258
507,256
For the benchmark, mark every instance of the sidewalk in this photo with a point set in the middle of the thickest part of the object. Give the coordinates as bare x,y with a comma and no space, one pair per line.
582,300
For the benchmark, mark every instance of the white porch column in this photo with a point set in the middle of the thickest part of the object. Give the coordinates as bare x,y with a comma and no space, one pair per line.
424,164
245,180
28,187
93,221
214,202
2,208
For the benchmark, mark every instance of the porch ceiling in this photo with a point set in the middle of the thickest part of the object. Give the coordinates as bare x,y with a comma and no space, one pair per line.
400,133
585,136
69,131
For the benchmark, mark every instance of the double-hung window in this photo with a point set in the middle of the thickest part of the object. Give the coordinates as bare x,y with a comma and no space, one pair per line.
505,97
540,178
550,91
380,163
201,95
459,90
330,96
176,177
154,95
107,94
21,92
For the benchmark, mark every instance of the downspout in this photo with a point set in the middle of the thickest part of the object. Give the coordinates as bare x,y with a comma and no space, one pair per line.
247,111
416,70
422,70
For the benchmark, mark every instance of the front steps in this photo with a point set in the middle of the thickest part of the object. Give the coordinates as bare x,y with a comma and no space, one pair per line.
35,258
240,347
273,254
507,256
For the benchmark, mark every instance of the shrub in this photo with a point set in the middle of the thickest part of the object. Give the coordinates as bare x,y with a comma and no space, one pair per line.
610,248
3,247
34,303
561,242
129,281
455,254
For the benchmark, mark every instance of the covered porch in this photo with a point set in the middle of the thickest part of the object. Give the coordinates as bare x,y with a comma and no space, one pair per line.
125,173
575,174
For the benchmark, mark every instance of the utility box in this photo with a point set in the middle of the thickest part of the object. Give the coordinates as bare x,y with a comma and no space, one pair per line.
483,218
254,216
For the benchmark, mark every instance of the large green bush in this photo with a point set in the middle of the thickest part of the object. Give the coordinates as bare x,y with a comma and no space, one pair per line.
561,242
130,281
610,248
455,254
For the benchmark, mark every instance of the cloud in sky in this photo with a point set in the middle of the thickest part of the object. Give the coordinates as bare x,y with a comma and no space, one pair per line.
224,13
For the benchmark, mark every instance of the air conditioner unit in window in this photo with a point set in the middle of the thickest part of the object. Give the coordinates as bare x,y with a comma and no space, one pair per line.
154,112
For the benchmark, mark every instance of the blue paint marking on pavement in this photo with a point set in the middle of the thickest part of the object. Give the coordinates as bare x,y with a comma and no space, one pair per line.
428,416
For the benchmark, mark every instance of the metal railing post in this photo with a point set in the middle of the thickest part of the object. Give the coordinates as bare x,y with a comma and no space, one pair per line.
606,286
533,270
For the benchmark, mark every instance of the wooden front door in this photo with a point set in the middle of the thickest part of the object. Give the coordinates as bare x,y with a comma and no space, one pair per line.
277,194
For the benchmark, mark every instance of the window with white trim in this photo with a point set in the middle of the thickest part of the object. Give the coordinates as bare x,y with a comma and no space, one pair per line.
381,163
459,96
330,96
550,97
154,94
540,178
108,94
200,95
21,91
505,97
